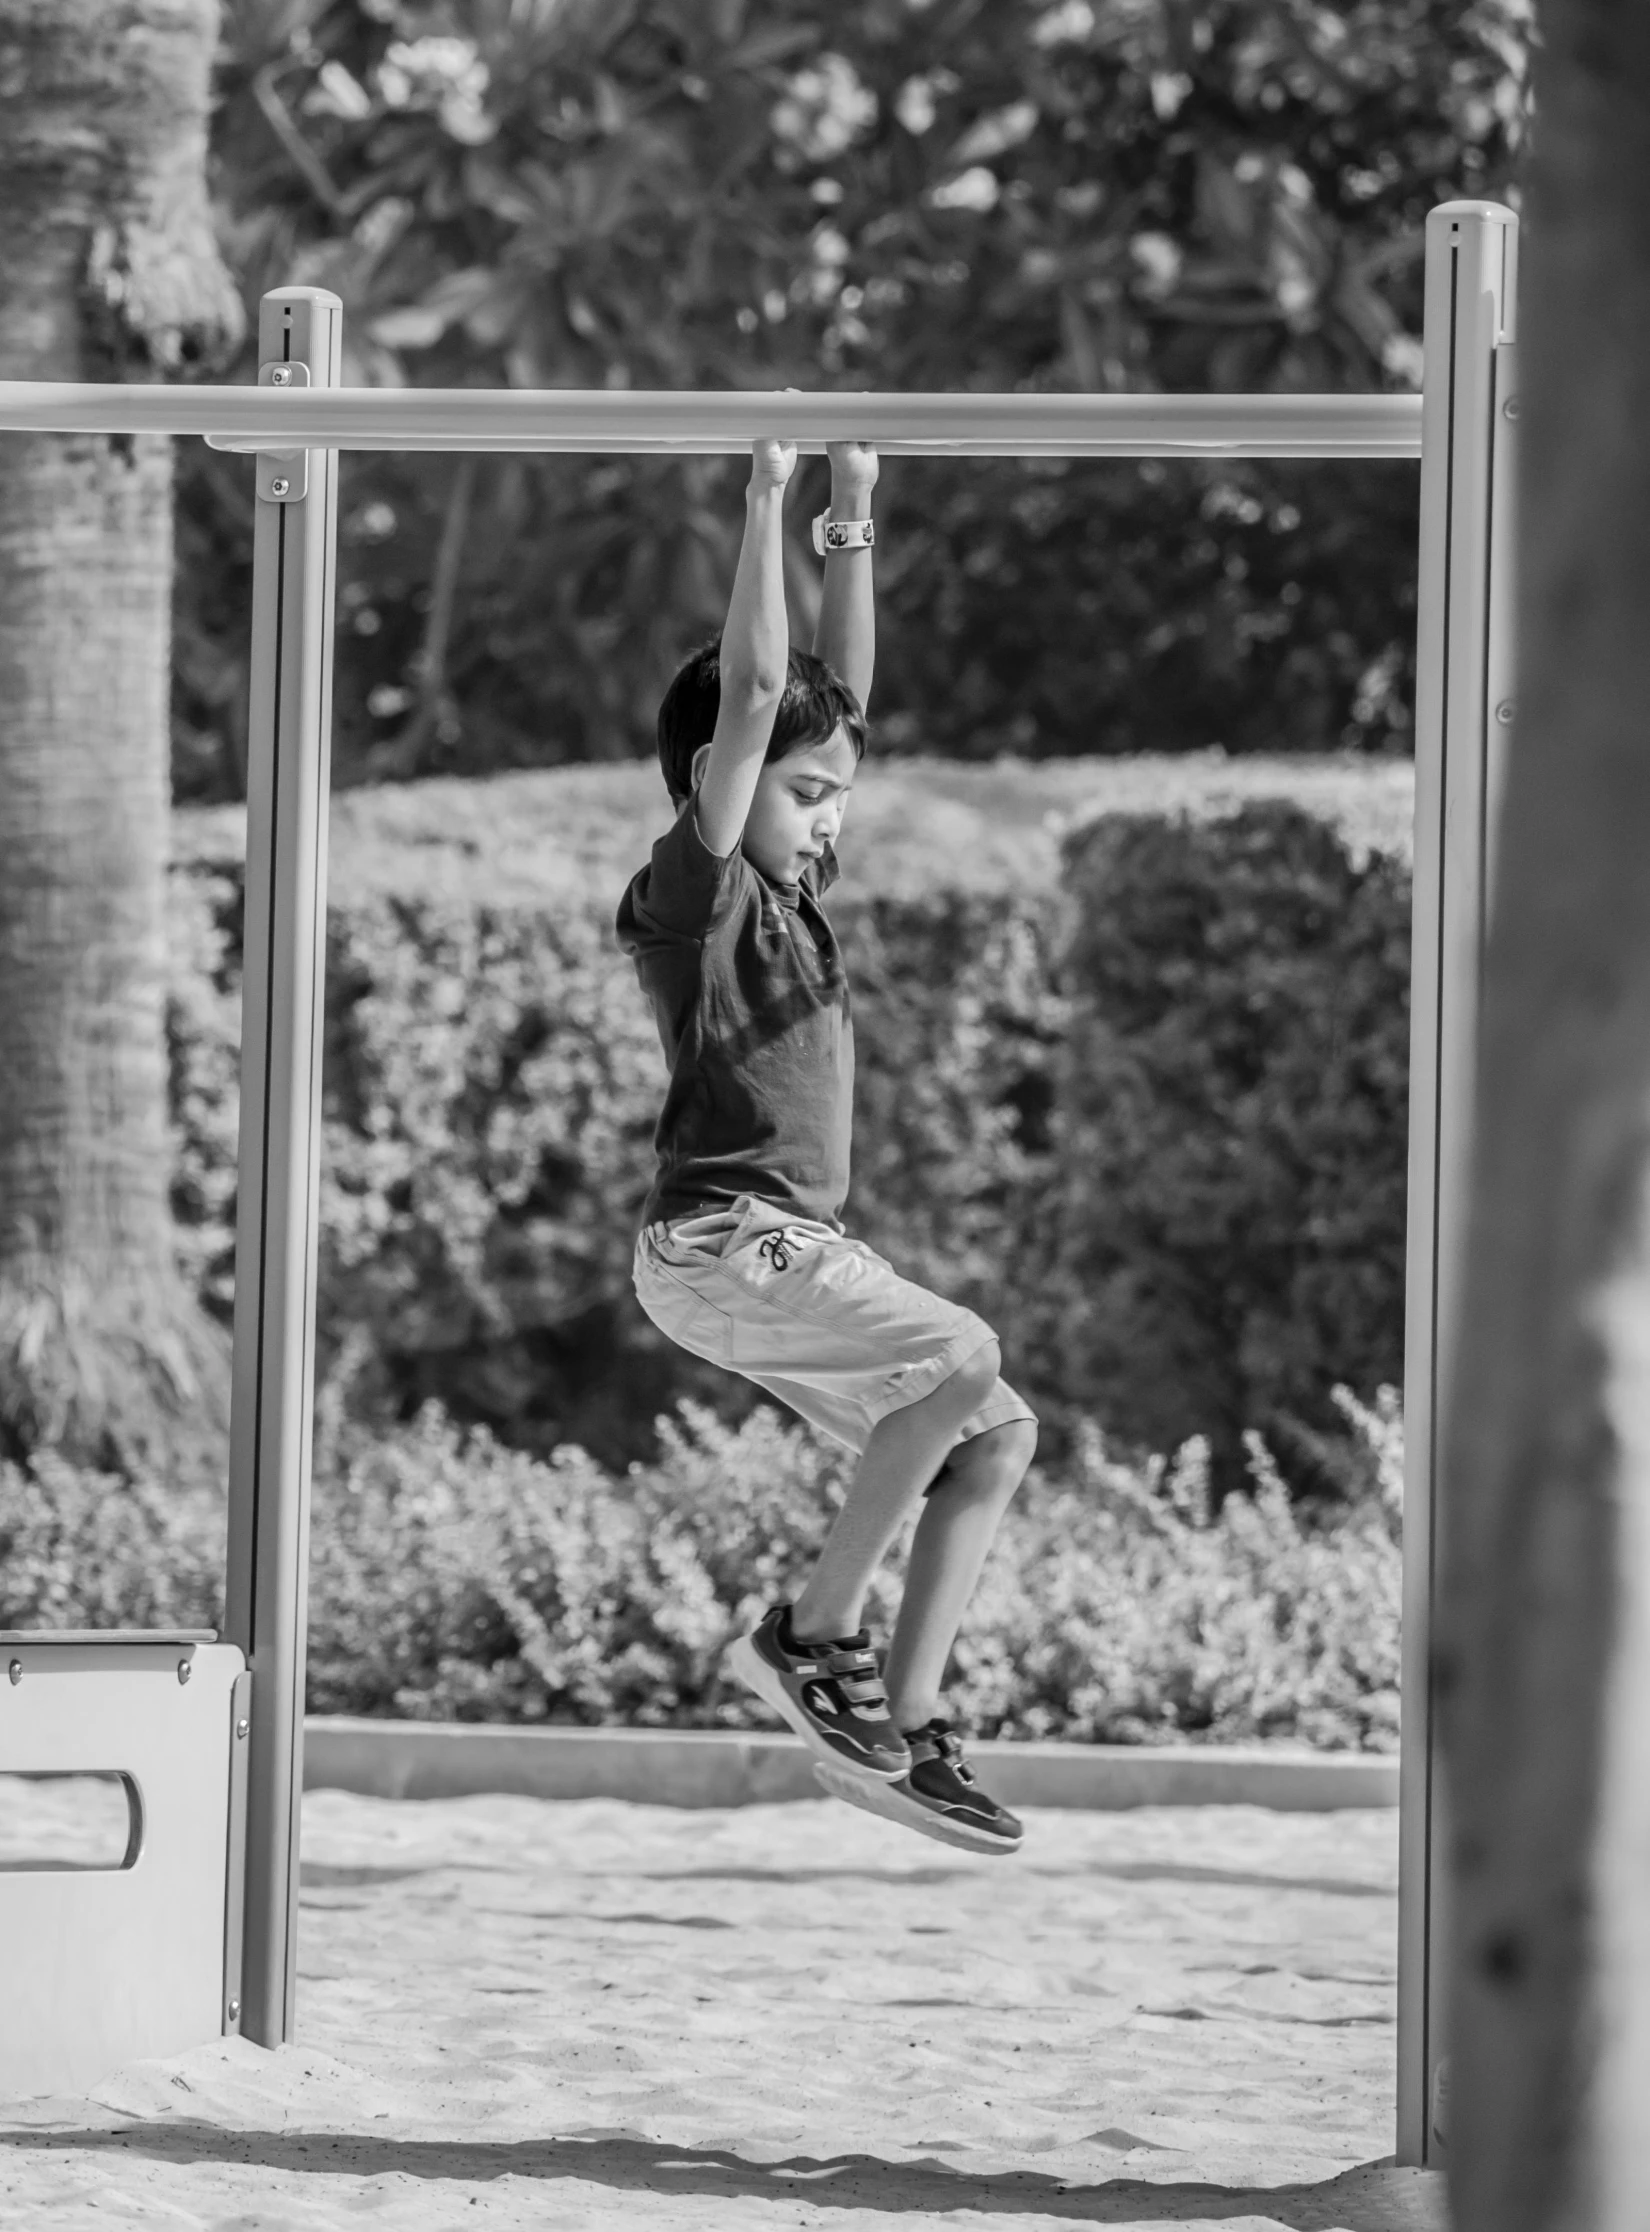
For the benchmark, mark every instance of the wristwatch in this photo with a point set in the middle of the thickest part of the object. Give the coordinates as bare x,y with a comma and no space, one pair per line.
842,534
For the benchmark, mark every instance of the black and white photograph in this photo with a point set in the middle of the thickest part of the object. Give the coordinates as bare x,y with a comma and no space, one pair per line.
824,1115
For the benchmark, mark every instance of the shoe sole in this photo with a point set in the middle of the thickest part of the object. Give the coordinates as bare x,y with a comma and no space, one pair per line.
883,1798
747,1662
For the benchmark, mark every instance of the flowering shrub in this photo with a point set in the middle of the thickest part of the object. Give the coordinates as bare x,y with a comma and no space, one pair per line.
83,1549
1120,1608
453,1578
457,1579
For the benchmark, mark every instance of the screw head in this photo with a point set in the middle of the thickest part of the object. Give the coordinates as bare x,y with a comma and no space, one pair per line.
279,487
234,2011
243,1728
15,1671
1505,712
1509,409
280,377
184,1670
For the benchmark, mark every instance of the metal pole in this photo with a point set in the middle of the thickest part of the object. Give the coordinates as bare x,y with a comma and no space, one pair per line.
288,761
685,422
1463,711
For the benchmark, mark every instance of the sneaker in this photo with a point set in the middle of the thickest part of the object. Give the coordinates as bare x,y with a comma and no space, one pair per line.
831,1693
939,1798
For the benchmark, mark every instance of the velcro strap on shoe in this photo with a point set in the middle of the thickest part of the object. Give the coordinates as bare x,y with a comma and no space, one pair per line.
836,1661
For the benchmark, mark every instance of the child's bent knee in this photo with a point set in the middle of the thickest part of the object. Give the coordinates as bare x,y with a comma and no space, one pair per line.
1014,1442
975,1377
991,1463
1004,1452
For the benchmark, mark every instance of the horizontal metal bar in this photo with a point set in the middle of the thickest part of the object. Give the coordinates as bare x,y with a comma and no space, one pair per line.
124,1637
686,422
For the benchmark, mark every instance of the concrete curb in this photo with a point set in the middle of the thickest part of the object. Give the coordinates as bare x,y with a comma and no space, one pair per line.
715,1767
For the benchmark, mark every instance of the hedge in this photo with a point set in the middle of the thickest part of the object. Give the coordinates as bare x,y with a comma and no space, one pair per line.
1150,1121
1226,1211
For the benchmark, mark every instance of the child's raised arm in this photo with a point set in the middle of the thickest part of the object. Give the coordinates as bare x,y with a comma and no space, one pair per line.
755,654
846,637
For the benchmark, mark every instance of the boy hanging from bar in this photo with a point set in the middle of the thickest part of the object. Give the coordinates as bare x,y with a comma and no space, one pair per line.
743,1258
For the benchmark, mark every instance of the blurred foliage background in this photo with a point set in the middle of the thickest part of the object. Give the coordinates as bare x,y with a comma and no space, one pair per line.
899,194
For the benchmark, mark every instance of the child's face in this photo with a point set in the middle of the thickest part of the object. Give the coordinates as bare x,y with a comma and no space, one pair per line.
798,807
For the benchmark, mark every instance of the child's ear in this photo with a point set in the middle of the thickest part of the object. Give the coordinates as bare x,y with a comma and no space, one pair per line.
701,760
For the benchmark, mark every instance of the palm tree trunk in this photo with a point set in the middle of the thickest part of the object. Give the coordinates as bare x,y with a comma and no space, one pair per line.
107,270
1545,1660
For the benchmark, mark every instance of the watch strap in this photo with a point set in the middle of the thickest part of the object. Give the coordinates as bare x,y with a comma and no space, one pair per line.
842,534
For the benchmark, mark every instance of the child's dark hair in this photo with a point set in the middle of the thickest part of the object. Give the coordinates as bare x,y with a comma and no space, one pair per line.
815,703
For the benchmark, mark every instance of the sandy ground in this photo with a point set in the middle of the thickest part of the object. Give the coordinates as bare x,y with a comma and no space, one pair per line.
515,2013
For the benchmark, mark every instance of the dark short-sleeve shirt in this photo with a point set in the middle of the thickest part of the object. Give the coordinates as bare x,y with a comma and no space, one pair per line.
747,987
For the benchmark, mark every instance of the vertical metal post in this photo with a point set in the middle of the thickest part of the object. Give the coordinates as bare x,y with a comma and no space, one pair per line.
1463,711
288,767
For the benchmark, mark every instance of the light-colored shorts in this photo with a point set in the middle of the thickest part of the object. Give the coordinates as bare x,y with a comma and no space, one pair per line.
813,1317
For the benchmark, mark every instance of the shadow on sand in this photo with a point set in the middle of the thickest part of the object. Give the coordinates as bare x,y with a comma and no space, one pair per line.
1376,2197
1119,1871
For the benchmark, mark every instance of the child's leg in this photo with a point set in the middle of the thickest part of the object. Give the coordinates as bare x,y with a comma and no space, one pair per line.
958,1523
904,1452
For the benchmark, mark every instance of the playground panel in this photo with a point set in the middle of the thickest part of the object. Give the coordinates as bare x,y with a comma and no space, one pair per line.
103,1965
